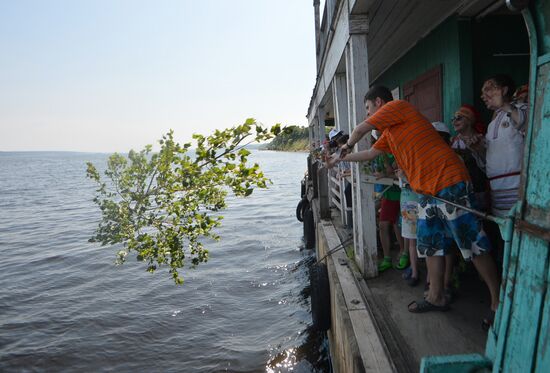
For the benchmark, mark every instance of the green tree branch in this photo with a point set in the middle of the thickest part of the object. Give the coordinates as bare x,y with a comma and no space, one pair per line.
162,205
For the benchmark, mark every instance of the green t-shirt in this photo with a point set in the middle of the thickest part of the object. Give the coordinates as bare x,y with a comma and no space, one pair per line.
394,192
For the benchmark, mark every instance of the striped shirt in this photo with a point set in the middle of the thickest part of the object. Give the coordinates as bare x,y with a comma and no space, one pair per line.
429,163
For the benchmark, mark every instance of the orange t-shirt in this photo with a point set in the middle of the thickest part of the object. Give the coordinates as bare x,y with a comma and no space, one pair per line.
429,163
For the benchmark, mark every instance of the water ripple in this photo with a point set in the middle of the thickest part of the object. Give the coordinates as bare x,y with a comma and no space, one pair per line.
66,307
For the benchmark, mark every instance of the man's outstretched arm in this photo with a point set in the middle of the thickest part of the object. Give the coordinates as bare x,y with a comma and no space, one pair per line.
365,155
361,130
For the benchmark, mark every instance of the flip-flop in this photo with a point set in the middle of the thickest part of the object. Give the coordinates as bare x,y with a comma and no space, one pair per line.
407,274
423,306
412,281
403,262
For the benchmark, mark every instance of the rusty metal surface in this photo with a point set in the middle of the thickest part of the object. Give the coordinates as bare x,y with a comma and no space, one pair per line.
533,230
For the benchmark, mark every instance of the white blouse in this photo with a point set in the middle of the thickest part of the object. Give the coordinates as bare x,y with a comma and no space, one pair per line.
505,142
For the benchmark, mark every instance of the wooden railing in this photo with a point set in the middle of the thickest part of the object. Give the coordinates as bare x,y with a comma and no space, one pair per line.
337,197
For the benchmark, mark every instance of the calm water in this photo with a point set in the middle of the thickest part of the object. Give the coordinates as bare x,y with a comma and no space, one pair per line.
65,306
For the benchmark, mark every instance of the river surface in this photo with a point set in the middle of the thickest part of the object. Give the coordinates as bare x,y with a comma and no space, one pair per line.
65,306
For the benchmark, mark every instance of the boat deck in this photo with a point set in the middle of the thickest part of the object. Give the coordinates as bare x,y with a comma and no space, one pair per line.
409,337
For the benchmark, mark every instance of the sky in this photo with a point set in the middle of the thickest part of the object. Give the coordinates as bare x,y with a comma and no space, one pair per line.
115,75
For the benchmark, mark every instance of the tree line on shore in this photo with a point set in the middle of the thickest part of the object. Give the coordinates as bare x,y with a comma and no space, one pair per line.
294,138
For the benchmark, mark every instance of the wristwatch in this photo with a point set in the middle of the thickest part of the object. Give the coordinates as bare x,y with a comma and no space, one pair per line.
348,145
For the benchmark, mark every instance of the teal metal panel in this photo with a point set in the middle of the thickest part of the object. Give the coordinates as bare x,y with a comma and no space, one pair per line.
507,293
523,334
538,192
455,364
541,10
542,363
522,338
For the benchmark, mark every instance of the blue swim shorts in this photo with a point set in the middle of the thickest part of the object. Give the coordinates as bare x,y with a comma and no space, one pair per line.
441,225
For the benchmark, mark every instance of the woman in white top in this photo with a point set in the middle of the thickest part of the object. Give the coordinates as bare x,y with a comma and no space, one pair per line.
504,142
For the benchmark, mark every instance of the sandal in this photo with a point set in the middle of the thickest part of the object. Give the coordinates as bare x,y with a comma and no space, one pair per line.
407,274
384,264
412,281
488,320
403,262
423,306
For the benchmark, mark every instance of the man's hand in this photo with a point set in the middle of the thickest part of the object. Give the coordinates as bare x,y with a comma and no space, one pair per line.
400,174
344,150
332,161
475,142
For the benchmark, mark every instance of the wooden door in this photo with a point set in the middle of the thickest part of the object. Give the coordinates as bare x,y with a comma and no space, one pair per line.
424,93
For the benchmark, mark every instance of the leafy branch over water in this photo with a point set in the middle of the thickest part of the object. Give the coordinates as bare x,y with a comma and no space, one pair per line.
160,205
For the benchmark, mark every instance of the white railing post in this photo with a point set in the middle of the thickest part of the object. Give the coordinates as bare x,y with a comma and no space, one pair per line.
364,218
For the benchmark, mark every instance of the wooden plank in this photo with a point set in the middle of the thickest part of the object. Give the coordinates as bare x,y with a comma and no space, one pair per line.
371,347
321,124
352,296
358,24
337,203
340,98
373,355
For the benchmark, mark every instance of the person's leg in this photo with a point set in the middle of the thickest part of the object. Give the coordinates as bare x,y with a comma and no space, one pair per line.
400,241
385,238
403,251
347,193
463,224
413,257
449,266
385,235
433,242
486,267
385,241
436,269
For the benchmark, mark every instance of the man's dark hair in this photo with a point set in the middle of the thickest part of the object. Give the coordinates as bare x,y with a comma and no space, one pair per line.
503,80
379,91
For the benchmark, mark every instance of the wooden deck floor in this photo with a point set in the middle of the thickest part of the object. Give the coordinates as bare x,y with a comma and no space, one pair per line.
408,336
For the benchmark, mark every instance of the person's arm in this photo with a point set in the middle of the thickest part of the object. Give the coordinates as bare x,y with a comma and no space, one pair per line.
514,113
478,147
360,130
518,114
365,155
332,160
390,167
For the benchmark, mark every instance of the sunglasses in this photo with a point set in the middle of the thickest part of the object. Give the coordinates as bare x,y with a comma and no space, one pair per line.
457,117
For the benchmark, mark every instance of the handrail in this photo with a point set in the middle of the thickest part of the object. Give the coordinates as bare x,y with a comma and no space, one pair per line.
369,179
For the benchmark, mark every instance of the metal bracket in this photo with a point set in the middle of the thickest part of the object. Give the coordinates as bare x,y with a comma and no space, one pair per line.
532,229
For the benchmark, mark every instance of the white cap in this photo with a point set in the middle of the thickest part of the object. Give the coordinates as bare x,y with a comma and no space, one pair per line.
441,127
333,133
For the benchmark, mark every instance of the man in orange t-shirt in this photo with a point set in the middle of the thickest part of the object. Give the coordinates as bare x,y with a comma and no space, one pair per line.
432,169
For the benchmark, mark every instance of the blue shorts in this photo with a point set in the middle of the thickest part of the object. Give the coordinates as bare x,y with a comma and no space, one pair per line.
441,225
